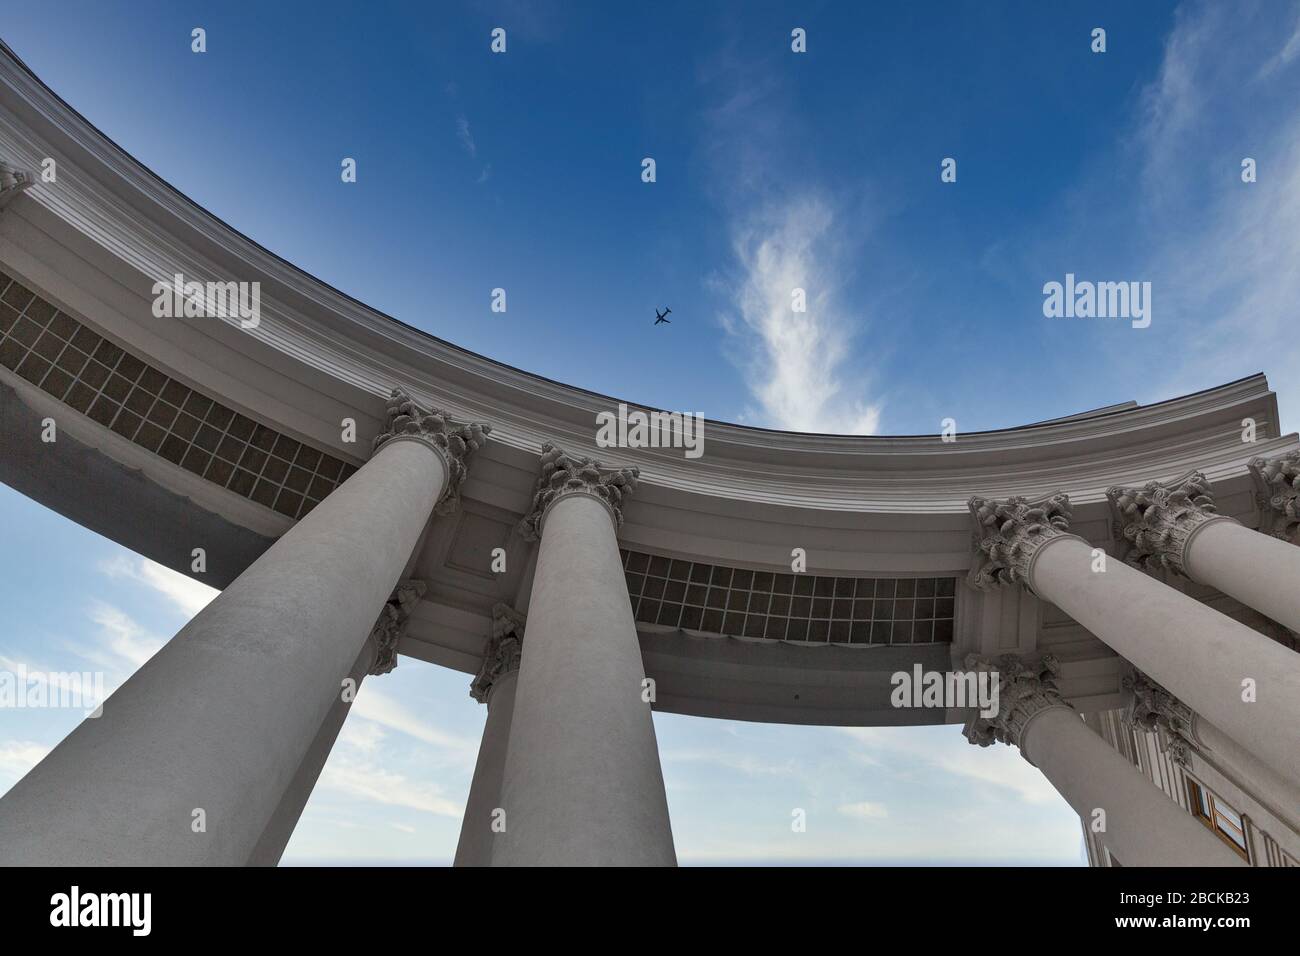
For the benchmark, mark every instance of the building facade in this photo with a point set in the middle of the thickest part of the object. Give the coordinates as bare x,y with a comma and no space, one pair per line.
1125,579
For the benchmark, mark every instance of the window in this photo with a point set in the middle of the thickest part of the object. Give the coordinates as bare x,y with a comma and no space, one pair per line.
791,607
1218,816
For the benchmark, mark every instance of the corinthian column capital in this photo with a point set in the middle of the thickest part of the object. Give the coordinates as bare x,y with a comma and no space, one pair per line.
1152,708
564,475
503,652
1277,492
1156,523
1009,532
13,181
1025,686
454,442
391,624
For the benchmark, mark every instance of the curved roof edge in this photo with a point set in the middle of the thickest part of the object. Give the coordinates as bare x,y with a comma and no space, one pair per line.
327,344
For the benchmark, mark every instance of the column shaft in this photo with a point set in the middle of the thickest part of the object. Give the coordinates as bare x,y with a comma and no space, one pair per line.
270,847
1278,794
1143,826
221,718
1199,654
583,785
476,834
1258,570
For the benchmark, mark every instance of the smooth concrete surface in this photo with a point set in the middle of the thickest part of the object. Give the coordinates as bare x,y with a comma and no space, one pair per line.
1258,570
583,785
1198,654
1143,826
221,719
476,836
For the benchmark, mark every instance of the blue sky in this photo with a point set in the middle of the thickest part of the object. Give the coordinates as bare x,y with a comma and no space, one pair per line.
774,169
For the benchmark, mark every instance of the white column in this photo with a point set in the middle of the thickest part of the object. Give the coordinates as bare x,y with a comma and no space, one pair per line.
378,656
194,753
1207,659
279,829
1176,526
1142,826
582,785
1259,571
495,687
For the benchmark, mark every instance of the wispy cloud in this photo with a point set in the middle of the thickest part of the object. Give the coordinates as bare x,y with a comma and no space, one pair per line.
184,593
119,645
747,764
369,781
464,135
790,228
996,767
466,138
1225,253
364,736
19,756
864,810
795,361
360,765
1290,51
120,640
375,705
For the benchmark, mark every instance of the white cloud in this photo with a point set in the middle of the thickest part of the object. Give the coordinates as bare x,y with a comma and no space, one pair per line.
363,736
998,766
359,767
122,645
742,762
466,138
63,685
1225,255
865,810
794,362
19,756
368,781
467,141
375,705
1290,50
184,593
123,639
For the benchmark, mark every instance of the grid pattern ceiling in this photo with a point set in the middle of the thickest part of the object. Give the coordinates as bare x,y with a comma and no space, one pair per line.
793,607
61,356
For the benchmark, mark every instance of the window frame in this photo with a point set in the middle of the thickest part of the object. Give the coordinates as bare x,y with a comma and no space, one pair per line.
1205,807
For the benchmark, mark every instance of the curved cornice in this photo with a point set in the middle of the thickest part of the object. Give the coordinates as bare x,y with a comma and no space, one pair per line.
333,346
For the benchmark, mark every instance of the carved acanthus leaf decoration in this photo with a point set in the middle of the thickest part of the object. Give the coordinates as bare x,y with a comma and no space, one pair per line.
1154,523
1277,492
503,653
391,625
1026,686
1152,709
456,441
13,181
1008,532
563,474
